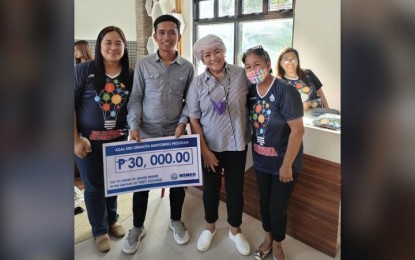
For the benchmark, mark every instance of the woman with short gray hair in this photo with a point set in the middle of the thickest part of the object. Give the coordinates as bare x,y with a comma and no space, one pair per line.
216,105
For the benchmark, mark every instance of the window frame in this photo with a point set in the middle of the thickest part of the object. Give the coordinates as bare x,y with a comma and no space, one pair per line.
239,17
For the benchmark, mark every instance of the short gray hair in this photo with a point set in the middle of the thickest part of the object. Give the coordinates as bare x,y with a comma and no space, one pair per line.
210,41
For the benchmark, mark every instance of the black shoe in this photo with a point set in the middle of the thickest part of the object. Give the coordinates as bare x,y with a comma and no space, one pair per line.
79,210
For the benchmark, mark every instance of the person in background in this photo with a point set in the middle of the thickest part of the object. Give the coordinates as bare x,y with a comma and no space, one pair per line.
161,81
304,80
102,88
275,113
217,108
82,51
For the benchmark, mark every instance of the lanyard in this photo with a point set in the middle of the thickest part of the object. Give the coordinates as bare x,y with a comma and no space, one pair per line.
221,105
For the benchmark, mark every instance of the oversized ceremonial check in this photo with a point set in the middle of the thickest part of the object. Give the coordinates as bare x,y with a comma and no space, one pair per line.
152,164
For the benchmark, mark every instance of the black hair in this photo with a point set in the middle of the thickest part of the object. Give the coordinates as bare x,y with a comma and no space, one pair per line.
258,51
99,78
166,18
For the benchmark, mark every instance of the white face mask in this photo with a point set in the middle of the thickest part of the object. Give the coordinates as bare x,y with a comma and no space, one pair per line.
257,76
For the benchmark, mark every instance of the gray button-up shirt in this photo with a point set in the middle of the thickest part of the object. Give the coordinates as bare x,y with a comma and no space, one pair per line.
157,98
229,131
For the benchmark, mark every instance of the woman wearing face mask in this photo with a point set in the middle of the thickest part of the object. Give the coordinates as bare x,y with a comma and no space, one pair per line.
216,105
275,112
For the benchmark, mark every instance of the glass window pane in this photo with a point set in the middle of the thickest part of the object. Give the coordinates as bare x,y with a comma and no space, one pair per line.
273,35
206,9
226,8
225,31
251,6
275,5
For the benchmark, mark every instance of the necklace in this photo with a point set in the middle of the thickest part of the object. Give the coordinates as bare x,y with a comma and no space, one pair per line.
220,105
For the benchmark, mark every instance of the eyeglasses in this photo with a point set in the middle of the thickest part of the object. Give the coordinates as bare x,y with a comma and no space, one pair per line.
286,61
118,45
259,50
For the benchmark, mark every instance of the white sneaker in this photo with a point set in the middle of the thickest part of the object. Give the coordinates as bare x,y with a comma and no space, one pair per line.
203,243
133,240
241,244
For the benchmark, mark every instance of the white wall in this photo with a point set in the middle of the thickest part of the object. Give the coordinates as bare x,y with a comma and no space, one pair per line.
187,38
91,16
317,39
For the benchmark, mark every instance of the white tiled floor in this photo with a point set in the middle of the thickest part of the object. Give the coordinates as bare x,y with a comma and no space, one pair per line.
159,244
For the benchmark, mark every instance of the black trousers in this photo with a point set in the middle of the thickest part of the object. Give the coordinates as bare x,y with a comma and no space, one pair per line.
274,197
140,201
233,163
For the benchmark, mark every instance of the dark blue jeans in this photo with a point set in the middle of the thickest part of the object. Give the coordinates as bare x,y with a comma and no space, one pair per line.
233,163
102,211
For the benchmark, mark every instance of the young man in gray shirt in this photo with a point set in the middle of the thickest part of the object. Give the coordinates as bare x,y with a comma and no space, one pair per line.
161,81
